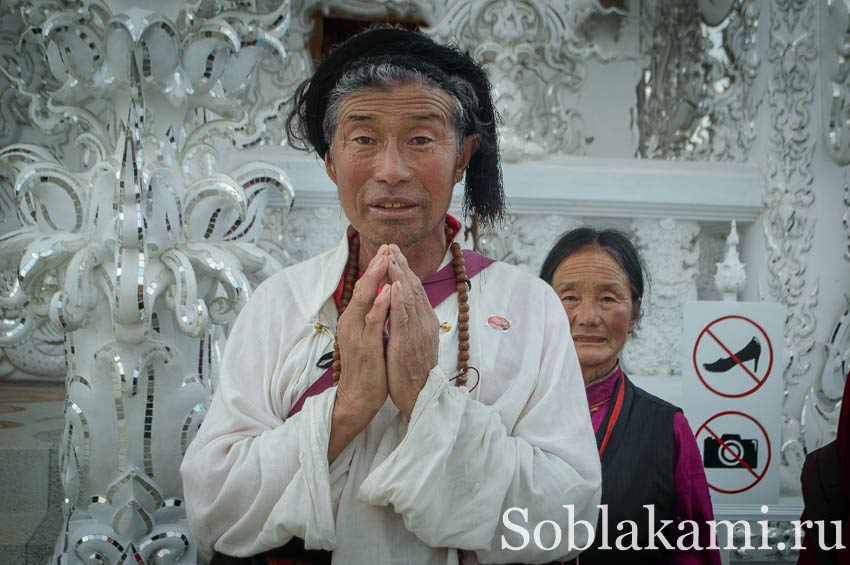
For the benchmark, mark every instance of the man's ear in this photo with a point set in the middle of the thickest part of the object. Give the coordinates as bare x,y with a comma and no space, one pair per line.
329,165
470,146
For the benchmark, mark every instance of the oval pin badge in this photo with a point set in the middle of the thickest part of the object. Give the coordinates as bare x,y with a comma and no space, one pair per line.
499,323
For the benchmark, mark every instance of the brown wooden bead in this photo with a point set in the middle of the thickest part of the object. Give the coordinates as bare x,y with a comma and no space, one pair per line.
463,356
463,335
464,346
462,318
463,307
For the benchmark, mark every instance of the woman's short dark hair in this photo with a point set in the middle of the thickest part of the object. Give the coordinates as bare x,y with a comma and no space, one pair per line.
615,243
389,50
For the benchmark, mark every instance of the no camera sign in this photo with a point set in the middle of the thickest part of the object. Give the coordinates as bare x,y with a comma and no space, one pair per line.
732,383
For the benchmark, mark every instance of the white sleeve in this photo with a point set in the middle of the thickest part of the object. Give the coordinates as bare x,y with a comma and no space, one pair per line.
252,480
459,468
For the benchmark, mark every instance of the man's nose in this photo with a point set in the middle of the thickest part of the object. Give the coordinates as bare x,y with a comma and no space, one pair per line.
391,166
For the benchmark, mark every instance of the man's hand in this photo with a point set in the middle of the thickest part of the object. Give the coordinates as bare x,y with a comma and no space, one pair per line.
362,387
414,340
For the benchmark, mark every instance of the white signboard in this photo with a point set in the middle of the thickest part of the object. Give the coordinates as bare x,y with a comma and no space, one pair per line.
732,383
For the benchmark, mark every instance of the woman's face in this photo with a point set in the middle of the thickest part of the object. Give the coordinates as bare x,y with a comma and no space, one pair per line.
595,293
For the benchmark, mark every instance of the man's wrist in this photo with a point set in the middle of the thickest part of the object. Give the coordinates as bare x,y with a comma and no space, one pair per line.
410,398
350,415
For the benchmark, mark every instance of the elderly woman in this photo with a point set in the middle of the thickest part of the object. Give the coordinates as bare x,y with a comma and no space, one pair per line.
648,452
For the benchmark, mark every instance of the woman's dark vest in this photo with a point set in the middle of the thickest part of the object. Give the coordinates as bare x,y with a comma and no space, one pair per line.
637,469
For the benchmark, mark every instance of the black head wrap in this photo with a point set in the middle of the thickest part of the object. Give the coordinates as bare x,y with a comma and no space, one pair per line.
484,196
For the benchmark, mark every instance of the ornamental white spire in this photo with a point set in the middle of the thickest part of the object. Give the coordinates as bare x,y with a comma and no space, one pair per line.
731,275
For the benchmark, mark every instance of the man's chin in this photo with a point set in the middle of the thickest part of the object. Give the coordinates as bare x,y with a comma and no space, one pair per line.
400,234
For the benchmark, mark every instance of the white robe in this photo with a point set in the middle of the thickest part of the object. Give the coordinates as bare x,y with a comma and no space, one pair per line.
399,492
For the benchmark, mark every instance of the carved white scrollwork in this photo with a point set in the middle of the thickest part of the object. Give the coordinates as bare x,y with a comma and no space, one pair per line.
306,232
823,401
534,52
697,98
789,195
525,240
671,253
835,66
846,218
136,245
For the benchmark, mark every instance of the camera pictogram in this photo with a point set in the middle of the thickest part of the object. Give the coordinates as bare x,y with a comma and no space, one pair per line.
731,452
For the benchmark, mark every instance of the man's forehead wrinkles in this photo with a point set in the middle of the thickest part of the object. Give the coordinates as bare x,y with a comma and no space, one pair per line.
422,104
357,116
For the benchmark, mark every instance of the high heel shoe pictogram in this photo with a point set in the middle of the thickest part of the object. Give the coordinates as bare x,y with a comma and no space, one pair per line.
750,352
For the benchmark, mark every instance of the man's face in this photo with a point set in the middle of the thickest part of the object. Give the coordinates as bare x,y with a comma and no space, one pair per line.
395,160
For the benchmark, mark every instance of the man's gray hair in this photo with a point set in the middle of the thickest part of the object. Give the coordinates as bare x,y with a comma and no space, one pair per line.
387,75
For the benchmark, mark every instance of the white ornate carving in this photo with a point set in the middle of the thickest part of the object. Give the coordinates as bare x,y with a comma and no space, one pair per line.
835,66
711,249
696,99
139,249
43,355
731,278
671,253
846,219
789,195
525,240
533,51
823,402
308,232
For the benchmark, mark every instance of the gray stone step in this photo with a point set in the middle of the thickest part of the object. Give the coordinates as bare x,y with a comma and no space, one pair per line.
30,488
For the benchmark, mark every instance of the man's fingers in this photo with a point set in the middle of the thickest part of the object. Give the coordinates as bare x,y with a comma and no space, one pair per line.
366,288
416,299
377,315
399,316
397,267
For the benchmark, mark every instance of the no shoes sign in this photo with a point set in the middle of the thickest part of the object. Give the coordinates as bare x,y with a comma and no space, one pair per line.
732,382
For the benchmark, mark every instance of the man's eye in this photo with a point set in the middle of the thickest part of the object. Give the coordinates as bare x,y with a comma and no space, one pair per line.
421,140
569,298
363,140
608,299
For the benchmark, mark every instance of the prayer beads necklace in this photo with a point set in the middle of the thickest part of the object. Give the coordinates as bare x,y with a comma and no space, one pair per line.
462,286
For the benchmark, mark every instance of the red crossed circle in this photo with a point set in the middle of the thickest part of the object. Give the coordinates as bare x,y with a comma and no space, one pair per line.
759,382
758,476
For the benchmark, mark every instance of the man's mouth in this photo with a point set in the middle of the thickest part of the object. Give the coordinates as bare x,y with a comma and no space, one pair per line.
392,208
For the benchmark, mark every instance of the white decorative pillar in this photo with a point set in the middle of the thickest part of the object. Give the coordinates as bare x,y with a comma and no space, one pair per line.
789,222
671,254
137,245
